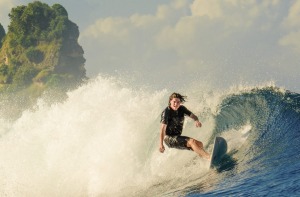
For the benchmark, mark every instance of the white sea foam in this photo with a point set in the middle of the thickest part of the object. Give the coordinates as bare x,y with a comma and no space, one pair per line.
237,137
102,140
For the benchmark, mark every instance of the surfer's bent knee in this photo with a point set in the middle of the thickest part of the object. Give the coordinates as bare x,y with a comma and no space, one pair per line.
192,141
200,144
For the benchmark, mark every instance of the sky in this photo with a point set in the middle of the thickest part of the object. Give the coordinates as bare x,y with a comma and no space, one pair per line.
175,43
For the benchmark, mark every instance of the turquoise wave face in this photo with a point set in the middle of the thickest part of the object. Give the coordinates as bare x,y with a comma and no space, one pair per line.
269,159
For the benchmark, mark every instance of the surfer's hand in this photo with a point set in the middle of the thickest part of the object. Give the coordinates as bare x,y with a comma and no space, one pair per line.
161,149
198,123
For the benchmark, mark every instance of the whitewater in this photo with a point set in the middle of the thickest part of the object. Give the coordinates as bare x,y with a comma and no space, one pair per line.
103,141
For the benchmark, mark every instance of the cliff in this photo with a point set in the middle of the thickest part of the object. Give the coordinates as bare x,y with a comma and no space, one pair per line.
41,49
39,54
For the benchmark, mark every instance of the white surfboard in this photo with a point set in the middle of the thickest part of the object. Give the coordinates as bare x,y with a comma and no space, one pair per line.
219,150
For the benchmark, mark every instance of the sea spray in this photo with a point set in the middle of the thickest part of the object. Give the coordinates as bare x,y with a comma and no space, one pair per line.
102,140
89,144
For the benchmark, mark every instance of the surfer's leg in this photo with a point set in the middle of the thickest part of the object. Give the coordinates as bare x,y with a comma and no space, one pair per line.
197,146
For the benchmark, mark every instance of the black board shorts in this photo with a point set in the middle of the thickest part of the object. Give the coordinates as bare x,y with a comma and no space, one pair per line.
179,142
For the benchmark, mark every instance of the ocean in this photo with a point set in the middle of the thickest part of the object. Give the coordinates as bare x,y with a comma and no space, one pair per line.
103,141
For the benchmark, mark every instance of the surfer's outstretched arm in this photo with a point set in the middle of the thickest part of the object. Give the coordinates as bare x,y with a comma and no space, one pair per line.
162,136
197,122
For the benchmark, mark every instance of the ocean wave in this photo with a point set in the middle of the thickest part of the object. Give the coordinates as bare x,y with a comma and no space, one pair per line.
103,141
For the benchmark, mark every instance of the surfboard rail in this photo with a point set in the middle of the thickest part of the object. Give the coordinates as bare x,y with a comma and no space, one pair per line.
219,150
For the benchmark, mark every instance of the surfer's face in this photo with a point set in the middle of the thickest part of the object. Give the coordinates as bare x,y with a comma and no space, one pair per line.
175,103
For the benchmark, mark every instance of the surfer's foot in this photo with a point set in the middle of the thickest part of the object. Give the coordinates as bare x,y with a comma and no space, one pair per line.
207,157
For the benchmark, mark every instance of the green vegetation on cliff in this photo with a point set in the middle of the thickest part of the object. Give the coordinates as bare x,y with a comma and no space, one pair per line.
41,47
39,52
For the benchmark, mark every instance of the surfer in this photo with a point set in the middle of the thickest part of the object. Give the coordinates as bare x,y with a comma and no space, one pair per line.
172,119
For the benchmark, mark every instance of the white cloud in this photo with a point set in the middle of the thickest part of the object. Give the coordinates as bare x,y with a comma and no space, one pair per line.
292,26
291,40
112,27
234,12
130,41
292,20
211,9
217,36
217,25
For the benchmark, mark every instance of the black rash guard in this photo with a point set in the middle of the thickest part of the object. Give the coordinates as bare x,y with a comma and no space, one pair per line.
174,120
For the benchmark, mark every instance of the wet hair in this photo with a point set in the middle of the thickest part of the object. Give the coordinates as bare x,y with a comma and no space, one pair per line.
177,95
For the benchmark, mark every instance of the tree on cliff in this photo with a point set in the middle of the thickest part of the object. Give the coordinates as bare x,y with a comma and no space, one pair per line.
2,34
